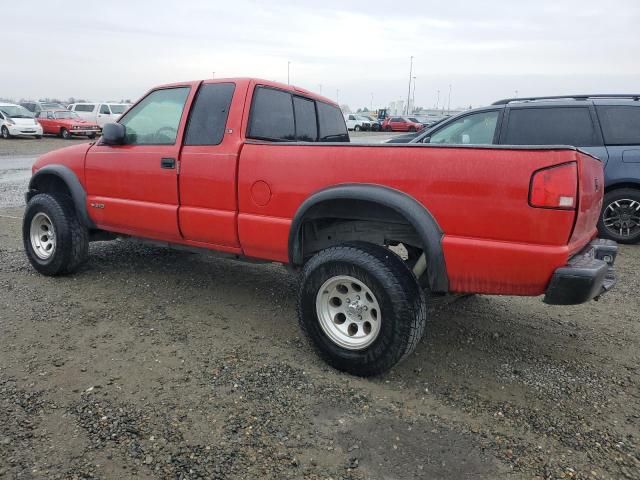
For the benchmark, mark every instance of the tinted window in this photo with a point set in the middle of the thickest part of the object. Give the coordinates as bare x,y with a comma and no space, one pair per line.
474,129
396,119
331,123
620,124
104,109
550,126
208,117
272,115
84,108
306,124
155,120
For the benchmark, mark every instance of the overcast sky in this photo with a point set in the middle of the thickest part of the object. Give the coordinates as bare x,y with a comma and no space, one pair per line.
485,50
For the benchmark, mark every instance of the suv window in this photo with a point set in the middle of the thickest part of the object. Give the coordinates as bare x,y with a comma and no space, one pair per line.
155,120
551,126
104,109
84,108
306,124
397,119
208,117
620,124
272,115
331,123
474,129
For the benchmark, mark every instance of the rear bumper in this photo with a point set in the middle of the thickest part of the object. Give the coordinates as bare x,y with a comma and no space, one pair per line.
586,276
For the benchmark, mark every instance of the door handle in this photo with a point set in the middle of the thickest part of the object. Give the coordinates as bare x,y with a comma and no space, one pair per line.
169,163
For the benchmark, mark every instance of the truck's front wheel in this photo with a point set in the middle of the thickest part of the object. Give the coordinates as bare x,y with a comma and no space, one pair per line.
361,307
54,239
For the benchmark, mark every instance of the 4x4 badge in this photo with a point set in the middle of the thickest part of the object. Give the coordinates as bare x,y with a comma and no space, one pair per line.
97,205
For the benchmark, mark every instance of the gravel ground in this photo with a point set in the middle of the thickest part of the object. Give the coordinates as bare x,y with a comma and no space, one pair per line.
151,363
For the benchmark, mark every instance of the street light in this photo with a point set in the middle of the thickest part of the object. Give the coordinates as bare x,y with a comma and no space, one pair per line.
410,75
413,99
449,101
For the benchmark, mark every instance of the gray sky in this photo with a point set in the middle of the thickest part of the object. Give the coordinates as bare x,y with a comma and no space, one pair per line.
486,50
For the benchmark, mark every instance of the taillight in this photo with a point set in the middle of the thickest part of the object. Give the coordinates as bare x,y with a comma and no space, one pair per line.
555,187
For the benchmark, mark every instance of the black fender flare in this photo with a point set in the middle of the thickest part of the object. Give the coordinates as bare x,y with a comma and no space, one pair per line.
414,212
78,195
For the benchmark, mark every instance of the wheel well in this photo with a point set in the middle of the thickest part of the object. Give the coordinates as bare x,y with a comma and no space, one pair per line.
51,184
618,186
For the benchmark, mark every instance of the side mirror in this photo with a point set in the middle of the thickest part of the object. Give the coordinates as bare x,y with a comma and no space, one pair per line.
426,140
113,134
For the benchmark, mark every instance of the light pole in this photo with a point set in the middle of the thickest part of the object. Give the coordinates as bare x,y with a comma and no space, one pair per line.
371,105
413,98
410,75
288,69
438,100
449,101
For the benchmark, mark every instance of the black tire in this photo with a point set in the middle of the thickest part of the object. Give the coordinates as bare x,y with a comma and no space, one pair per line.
624,196
387,128
38,137
412,129
5,133
64,133
72,238
92,136
401,301
357,128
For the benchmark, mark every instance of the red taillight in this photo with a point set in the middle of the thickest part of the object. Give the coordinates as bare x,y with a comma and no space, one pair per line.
555,187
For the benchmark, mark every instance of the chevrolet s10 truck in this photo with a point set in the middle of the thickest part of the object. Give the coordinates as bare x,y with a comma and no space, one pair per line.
260,170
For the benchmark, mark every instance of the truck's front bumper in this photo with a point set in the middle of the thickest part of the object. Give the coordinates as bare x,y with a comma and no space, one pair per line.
586,276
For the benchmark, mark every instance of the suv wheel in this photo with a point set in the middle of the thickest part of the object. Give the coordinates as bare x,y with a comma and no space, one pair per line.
5,132
356,128
361,307
620,216
54,240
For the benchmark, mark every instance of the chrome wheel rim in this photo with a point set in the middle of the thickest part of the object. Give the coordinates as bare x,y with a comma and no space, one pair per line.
43,236
348,312
622,217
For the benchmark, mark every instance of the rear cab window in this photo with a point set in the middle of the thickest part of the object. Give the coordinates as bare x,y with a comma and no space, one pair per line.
278,115
551,126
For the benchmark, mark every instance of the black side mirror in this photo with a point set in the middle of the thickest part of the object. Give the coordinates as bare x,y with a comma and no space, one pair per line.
113,134
426,140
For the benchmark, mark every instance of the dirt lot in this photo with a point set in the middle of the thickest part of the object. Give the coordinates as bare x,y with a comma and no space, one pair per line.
158,364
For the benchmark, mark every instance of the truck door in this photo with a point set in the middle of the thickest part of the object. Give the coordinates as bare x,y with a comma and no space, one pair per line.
133,188
208,165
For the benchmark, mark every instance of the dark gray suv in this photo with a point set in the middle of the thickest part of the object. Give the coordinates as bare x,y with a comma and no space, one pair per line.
607,126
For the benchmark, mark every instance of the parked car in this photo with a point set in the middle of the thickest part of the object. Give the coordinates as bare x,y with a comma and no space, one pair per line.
66,124
37,107
399,124
357,122
407,137
376,125
99,113
280,193
17,121
607,126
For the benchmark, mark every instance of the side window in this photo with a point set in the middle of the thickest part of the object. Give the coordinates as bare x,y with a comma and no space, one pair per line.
551,126
397,119
474,129
306,124
620,124
155,120
351,117
84,108
331,123
104,109
209,112
272,115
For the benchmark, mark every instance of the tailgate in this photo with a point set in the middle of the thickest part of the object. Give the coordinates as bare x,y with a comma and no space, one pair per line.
590,193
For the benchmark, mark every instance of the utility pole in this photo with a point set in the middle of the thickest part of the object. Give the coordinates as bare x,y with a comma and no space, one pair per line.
288,69
438,100
449,102
371,106
410,75
413,98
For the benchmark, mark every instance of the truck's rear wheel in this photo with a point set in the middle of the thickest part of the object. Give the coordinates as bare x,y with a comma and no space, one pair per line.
361,307
620,216
54,240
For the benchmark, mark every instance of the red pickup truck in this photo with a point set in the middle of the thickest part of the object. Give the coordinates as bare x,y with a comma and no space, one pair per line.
260,170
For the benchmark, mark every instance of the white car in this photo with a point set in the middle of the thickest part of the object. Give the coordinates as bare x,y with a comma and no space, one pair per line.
99,113
17,121
357,122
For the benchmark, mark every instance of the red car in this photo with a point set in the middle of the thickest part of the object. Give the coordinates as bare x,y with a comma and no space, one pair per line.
259,170
399,124
66,124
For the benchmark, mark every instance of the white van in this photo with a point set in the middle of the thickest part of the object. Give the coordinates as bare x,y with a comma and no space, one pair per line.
99,113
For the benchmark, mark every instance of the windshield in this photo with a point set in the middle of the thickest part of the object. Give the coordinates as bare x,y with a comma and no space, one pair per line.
414,120
66,114
118,109
16,111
